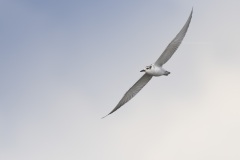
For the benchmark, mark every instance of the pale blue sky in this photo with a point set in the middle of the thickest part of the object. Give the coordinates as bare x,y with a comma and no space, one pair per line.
65,64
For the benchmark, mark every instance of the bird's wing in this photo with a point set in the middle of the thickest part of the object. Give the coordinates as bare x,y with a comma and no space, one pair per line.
132,91
172,47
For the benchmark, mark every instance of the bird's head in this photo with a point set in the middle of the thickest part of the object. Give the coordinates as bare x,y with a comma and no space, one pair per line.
147,68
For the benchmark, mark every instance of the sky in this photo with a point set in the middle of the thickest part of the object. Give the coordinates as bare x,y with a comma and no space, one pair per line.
66,64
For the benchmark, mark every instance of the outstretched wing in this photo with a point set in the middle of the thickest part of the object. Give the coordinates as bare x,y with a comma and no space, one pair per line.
172,47
132,91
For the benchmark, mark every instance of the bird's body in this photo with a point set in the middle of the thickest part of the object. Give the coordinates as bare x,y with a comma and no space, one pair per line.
155,69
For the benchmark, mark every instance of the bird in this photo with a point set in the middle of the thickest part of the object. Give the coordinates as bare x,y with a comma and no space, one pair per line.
156,69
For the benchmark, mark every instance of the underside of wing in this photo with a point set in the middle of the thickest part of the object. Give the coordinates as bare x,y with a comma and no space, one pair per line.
172,47
132,91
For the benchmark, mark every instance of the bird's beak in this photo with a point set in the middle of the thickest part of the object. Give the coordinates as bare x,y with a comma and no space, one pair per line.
142,70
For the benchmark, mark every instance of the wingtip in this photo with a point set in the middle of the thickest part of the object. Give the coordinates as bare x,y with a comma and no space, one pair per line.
190,16
192,10
105,116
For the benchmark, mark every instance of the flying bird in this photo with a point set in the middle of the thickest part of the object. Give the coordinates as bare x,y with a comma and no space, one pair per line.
156,68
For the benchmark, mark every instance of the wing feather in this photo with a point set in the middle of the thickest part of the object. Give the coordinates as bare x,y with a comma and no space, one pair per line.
132,91
175,43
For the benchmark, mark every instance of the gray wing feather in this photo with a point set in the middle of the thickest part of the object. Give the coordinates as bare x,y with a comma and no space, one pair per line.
172,47
132,91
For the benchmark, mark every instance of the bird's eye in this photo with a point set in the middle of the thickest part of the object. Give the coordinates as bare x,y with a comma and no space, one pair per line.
148,67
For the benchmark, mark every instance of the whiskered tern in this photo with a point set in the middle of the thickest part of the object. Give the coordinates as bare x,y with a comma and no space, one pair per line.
156,68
